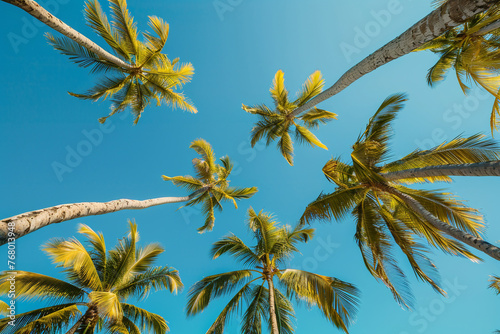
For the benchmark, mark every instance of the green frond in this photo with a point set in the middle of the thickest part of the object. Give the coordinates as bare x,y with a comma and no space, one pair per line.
241,193
45,320
40,287
214,286
123,22
312,87
303,135
155,278
314,117
439,70
106,87
339,172
265,230
284,313
278,91
80,55
188,182
145,256
261,110
133,328
332,206
4,308
285,145
147,321
258,308
208,211
336,299
204,149
232,307
236,247
495,283
108,304
98,248
72,255
161,29
98,21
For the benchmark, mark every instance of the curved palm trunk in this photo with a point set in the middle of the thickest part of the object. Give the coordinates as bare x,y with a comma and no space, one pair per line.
31,221
490,168
37,11
464,237
86,322
272,307
449,15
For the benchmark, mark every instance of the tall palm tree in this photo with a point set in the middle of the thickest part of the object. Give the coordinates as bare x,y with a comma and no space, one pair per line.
209,188
473,51
264,264
277,124
449,15
99,284
137,74
387,211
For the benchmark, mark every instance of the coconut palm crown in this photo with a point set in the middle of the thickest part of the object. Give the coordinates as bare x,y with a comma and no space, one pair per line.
473,51
265,263
98,284
210,187
277,123
384,210
151,75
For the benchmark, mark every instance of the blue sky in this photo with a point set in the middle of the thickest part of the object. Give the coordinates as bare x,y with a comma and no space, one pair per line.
235,54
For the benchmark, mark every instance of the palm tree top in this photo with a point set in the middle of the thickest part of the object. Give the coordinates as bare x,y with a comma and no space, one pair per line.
265,261
151,76
210,187
101,279
382,218
276,123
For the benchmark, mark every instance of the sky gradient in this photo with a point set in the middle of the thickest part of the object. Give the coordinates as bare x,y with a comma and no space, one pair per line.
236,47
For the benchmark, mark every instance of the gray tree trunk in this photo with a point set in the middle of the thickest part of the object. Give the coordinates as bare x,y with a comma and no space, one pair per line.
490,168
272,308
37,11
449,15
464,237
28,222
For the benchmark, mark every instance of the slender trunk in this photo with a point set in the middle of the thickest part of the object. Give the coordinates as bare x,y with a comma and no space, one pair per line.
464,237
490,168
37,11
449,15
31,221
88,320
272,308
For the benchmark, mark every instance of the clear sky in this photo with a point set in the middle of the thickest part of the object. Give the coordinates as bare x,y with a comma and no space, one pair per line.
236,54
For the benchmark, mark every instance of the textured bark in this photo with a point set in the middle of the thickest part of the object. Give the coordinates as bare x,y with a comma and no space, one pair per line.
31,221
462,236
37,11
272,308
490,168
451,14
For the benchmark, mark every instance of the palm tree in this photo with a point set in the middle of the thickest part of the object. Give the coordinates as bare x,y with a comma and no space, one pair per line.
137,74
264,262
209,188
99,284
449,15
472,50
387,211
276,124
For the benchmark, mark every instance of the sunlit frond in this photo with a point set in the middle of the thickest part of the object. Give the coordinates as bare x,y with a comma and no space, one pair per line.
146,320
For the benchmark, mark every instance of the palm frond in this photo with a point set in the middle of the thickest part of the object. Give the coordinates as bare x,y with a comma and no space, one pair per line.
303,135
278,91
236,247
285,145
495,283
155,278
312,87
258,308
146,320
314,117
123,22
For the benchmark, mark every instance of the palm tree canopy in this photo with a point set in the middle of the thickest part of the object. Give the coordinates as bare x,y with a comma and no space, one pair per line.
277,123
152,76
211,183
273,246
382,219
495,283
472,50
99,279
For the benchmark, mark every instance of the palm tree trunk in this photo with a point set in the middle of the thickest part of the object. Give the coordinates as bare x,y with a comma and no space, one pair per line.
464,237
272,307
37,11
449,15
86,321
31,221
490,168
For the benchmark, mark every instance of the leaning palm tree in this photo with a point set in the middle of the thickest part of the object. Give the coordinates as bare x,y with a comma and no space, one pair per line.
264,264
442,19
472,50
386,211
209,188
278,123
138,74
99,284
